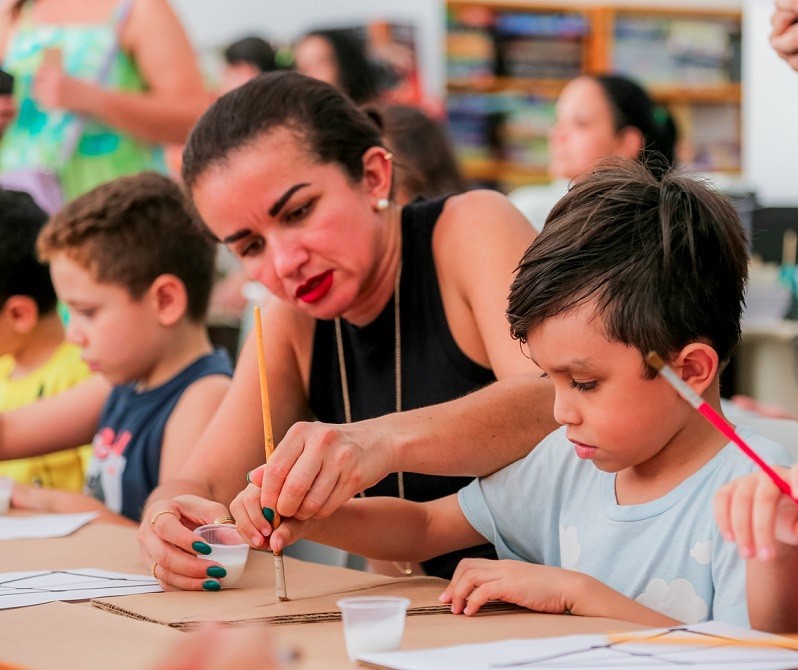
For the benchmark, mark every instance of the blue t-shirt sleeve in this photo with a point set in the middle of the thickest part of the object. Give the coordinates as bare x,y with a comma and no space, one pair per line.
513,508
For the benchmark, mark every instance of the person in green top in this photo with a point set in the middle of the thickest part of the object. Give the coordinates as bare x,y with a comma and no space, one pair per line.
55,50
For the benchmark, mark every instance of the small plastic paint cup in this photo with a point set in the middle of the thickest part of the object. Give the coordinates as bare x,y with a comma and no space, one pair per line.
227,549
6,487
373,623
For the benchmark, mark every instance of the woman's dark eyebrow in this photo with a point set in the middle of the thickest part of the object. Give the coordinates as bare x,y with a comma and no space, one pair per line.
274,210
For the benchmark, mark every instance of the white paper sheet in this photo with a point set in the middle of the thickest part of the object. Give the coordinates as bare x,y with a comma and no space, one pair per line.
19,589
42,526
579,652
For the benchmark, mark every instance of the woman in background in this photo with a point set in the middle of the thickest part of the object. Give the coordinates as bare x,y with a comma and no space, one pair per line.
424,162
337,57
599,116
55,50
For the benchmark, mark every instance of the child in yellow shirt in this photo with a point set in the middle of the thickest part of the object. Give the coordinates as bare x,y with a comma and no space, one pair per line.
35,360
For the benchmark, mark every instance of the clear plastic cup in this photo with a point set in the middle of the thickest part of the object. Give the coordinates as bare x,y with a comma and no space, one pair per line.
6,486
227,549
373,623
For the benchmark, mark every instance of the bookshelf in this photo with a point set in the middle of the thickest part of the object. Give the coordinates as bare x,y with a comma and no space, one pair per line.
506,63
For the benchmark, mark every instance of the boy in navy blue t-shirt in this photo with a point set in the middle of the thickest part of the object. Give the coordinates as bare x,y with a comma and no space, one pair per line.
135,270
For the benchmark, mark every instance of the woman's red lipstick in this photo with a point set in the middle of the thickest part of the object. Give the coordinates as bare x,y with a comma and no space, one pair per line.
315,288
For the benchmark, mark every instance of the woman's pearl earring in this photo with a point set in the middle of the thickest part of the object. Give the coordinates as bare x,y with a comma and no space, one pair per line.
382,204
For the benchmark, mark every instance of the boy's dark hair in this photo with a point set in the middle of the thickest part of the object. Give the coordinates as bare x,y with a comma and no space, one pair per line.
665,260
131,230
252,50
332,128
21,273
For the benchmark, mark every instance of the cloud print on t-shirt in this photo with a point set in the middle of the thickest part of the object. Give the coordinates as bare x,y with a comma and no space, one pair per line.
702,552
569,547
677,600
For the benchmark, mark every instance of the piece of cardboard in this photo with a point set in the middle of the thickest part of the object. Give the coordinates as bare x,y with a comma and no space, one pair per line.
60,635
313,590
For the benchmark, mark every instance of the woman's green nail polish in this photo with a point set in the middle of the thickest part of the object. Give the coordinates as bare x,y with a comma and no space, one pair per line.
211,585
201,548
216,571
268,514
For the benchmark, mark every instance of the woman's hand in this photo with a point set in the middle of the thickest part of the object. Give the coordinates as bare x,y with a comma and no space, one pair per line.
8,110
539,588
755,514
317,467
169,545
54,89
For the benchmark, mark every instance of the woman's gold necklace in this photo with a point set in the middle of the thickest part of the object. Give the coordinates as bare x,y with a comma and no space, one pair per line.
404,568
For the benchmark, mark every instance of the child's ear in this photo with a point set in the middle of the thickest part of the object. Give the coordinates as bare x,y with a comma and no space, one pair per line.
170,299
697,364
22,313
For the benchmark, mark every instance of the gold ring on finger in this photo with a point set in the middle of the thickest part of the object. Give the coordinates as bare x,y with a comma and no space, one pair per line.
157,514
225,519
152,570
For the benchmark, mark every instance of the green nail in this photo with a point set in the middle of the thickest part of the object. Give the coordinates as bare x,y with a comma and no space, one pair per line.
201,548
211,585
268,514
216,571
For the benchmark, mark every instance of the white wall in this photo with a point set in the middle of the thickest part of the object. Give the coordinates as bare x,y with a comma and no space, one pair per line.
770,112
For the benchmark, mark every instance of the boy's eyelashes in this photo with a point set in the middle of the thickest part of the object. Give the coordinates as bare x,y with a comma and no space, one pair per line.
583,386
579,386
85,312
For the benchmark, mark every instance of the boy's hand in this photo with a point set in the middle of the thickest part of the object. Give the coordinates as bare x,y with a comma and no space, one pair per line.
752,512
254,523
53,500
539,588
784,33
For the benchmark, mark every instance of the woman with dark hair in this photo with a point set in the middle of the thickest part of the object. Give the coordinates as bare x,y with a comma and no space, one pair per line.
424,161
244,59
56,51
338,57
389,317
597,117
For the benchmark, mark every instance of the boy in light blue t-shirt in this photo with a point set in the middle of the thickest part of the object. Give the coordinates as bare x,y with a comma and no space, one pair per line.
611,515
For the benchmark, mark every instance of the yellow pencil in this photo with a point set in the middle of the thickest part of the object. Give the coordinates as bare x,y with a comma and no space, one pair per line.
704,640
268,436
